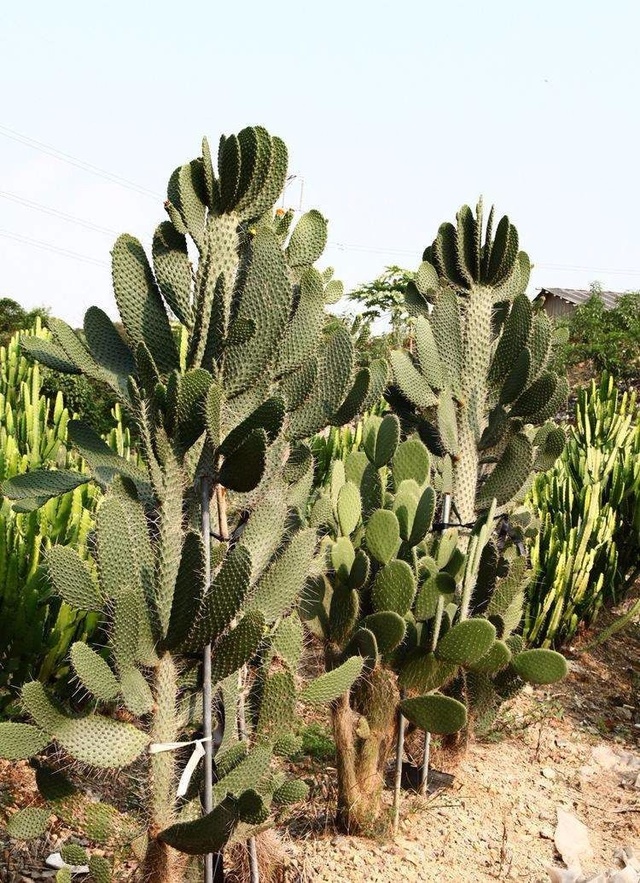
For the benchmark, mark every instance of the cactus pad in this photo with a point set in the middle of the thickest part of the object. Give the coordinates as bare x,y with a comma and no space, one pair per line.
21,741
467,642
394,588
540,666
29,823
383,535
332,684
435,713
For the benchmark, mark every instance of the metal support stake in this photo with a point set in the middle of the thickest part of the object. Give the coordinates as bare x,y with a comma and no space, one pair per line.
424,779
398,782
207,711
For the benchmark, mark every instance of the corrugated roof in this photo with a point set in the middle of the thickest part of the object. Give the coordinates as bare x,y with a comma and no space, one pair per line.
579,296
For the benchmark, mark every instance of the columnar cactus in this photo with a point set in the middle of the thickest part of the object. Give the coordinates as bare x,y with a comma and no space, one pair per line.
36,629
224,368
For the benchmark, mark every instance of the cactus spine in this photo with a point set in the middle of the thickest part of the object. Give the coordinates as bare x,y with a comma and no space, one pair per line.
252,377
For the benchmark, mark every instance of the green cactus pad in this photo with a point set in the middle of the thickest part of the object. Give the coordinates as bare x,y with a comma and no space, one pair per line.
208,834
245,774
93,672
281,583
73,854
348,508
405,505
388,627
288,640
290,792
42,484
244,468
308,240
136,692
421,671
411,461
410,381
173,270
535,397
100,869
509,474
21,741
139,303
363,643
277,708
540,666
516,378
440,584
467,642
428,356
224,598
49,354
72,578
380,439
497,658
342,557
237,647
394,588
435,714
423,517
360,570
343,612
382,535
188,591
332,684
95,740
251,808
29,823
513,340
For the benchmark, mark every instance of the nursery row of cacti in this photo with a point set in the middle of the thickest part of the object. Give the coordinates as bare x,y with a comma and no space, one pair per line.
587,550
207,557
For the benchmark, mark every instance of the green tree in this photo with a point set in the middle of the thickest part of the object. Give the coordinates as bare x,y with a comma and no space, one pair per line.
14,317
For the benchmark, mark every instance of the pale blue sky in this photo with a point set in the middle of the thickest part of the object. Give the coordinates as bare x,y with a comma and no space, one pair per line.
395,113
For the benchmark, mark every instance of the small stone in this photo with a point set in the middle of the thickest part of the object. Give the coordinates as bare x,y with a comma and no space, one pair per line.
548,773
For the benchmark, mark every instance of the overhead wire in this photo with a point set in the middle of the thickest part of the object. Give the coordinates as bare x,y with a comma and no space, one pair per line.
145,191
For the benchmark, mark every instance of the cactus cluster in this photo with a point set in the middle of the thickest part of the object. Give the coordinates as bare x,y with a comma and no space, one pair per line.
224,369
433,624
587,549
36,629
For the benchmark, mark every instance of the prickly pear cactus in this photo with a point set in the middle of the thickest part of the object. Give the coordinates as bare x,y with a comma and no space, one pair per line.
433,621
478,380
224,368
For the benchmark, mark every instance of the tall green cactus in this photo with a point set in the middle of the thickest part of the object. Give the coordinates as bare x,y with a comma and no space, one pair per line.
36,629
399,592
478,381
226,411
586,552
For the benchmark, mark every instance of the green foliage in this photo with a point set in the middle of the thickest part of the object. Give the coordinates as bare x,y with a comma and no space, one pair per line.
608,339
36,627
586,552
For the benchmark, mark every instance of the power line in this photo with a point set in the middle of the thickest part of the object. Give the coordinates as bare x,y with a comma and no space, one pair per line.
47,246
78,163
38,206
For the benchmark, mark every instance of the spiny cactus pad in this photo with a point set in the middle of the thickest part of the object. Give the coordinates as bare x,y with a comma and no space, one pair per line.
72,578
435,713
21,741
467,642
388,627
382,535
540,666
332,684
291,791
95,740
29,823
394,588
94,672
207,834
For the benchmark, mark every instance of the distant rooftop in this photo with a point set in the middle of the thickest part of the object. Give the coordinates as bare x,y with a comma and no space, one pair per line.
579,296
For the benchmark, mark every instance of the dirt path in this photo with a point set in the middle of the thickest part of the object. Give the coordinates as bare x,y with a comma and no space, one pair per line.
564,747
